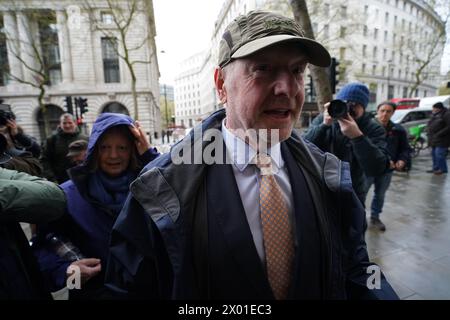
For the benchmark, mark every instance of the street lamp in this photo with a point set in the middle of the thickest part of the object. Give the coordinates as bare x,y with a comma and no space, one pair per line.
167,112
388,78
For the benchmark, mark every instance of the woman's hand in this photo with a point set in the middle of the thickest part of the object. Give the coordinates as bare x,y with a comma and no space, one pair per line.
89,268
141,141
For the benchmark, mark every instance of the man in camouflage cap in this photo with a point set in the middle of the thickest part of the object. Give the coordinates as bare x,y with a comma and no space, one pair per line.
274,222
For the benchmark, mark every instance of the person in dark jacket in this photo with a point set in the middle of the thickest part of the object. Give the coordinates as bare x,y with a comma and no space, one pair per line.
438,130
96,192
54,156
400,155
20,196
21,158
356,138
243,208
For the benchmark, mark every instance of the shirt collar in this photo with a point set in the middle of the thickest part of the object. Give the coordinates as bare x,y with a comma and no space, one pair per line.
242,154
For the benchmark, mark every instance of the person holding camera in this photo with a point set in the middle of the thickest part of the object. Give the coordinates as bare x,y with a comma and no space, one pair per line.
21,148
346,130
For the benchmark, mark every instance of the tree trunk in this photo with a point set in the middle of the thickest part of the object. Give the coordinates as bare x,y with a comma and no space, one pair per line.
319,74
43,109
134,93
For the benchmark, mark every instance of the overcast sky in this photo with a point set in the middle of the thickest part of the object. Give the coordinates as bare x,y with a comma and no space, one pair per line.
184,27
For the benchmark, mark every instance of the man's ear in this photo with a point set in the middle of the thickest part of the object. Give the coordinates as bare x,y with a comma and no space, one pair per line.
220,84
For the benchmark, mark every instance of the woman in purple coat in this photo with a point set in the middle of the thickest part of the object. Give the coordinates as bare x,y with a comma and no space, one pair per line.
73,251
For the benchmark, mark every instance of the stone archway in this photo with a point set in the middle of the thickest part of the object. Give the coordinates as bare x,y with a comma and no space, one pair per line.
54,112
115,107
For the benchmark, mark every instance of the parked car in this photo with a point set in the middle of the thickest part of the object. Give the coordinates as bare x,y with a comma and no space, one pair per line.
412,117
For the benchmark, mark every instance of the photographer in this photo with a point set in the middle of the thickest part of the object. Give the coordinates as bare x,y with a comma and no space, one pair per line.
354,136
22,149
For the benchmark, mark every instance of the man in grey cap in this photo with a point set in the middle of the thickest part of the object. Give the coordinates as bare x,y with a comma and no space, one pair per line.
77,152
276,219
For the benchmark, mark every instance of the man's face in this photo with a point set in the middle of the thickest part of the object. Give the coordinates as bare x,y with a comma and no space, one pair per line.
68,125
384,113
114,153
264,90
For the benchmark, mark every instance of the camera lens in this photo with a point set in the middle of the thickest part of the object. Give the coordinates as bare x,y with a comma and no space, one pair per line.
337,109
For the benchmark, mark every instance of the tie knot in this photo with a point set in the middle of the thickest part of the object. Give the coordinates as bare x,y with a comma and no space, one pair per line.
264,163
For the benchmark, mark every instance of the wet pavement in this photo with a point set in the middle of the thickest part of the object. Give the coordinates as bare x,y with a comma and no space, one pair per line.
414,251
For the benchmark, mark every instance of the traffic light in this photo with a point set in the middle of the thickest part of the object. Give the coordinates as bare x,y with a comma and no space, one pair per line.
334,72
69,107
82,105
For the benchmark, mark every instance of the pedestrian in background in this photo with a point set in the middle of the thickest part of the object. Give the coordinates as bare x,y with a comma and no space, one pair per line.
77,152
400,156
356,138
438,130
54,156
21,148
96,192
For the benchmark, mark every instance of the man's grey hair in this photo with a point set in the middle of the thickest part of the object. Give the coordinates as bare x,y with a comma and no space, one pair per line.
67,115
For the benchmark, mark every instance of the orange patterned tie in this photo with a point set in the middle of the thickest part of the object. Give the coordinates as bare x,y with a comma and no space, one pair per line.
277,231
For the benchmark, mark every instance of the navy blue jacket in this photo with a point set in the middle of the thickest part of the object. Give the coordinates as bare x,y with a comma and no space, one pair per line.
183,233
89,222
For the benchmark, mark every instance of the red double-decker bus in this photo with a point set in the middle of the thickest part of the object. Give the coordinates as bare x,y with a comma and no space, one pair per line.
406,103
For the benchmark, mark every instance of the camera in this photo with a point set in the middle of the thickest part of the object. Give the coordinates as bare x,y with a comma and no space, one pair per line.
337,109
6,114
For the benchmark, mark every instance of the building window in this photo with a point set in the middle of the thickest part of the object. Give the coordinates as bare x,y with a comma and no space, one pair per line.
48,36
107,18
374,69
365,31
190,123
364,49
343,32
385,36
4,65
326,10
363,68
110,60
375,34
342,53
405,92
326,31
384,54
375,53
386,18
366,9
344,12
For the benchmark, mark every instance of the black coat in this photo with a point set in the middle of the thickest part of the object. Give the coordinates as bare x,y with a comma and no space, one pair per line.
439,129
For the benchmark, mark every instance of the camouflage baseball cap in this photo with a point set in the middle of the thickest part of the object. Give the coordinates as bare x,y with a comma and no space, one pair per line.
259,29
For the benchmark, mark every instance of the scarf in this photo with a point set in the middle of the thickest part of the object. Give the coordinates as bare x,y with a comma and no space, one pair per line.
110,191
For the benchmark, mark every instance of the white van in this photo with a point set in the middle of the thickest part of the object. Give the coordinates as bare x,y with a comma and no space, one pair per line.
429,101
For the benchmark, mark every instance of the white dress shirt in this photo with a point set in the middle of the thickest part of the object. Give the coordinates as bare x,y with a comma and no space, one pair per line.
248,179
